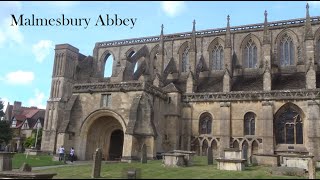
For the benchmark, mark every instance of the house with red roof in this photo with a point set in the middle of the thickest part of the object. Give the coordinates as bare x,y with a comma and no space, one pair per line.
23,121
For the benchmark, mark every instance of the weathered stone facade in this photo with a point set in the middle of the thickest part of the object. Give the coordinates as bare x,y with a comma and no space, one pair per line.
253,85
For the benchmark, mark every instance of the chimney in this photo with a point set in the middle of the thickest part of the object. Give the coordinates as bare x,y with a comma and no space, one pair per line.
16,106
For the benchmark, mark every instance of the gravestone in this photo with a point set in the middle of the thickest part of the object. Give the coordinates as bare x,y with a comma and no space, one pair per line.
6,161
210,156
25,168
96,168
245,153
131,174
144,154
311,169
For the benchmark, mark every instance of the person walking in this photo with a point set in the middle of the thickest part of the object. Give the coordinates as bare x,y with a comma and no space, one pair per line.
71,154
61,153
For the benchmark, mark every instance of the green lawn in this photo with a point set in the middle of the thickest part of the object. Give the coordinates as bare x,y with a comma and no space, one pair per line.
155,169
34,161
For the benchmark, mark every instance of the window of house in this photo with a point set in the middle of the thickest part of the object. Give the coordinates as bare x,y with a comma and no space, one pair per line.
289,127
250,55
14,122
217,57
106,100
185,60
205,123
249,123
286,51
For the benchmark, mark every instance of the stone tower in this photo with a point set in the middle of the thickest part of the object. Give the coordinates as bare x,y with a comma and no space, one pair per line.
63,77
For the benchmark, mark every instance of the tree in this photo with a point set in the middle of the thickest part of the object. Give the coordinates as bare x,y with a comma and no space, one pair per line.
30,141
5,130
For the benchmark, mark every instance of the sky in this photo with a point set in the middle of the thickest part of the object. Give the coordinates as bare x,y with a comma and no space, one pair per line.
27,52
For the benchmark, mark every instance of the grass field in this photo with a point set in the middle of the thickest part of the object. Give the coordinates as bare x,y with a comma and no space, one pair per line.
154,169
34,161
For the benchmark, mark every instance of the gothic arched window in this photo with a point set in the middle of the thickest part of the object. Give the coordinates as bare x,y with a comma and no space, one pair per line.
250,54
286,51
289,127
217,57
249,123
185,60
205,123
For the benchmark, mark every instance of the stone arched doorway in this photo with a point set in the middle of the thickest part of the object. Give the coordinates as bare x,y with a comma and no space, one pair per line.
101,129
105,132
116,145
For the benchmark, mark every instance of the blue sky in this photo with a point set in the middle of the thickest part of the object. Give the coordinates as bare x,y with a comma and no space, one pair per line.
27,52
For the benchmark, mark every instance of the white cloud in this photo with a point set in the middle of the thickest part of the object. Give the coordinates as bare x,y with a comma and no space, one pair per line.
42,49
19,77
38,100
10,34
173,8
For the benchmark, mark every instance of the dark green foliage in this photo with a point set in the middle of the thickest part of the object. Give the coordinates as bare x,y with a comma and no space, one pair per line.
5,130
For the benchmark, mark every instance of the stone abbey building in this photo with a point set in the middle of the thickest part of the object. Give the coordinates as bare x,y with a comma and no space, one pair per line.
255,85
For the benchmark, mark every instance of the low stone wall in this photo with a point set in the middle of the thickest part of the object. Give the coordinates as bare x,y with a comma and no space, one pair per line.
269,160
231,164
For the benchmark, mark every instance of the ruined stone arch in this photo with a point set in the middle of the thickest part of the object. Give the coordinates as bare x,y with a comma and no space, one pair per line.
288,124
255,147
103,60
296,46
248,40
216,54
130,52
184,60
205,146
235,144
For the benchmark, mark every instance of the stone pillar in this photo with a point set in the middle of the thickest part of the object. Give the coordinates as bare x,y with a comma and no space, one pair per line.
267,62
226,82
127,155
266,123
312,169
190,83
6,161
225,129
312,130
96,167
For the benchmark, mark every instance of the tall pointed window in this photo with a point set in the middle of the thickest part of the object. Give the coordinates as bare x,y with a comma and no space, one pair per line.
108,65
250,55
217,57
185,60
289,127
286,51
205,123
249,123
